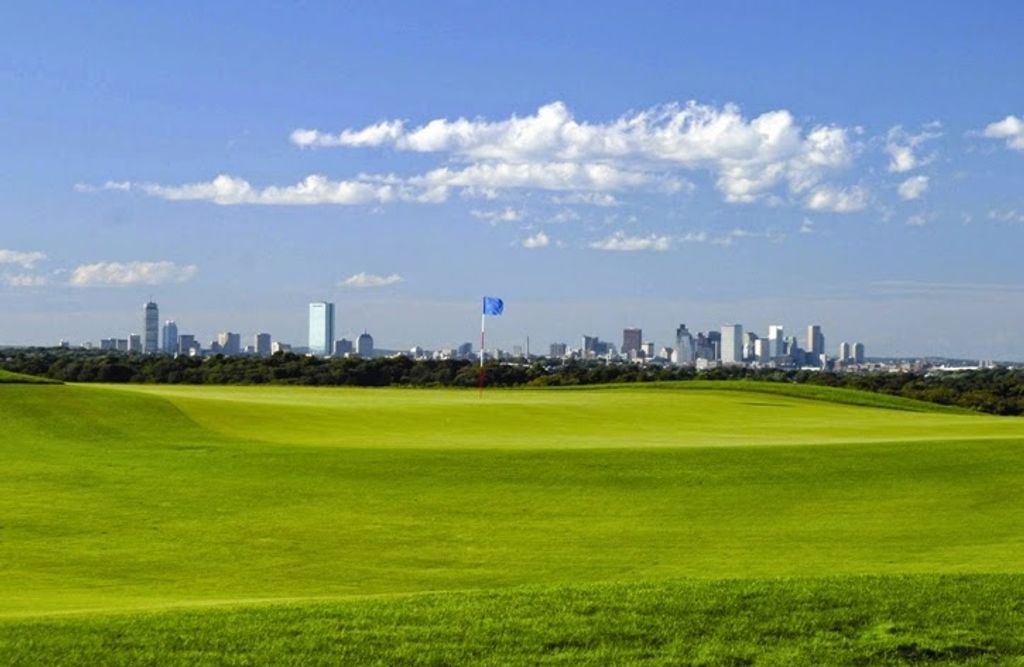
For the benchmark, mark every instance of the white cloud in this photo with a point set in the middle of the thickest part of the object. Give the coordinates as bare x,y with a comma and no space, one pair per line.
838,200
602,199
807,226
26,260
694,237
621,242
131,273
364,279
507,214
1010,128
25,280
538,240
1010,215
913,187
917,220
902,146
593,176
748,157
373,135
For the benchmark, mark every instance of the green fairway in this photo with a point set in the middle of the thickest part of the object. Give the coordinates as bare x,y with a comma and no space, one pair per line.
131,498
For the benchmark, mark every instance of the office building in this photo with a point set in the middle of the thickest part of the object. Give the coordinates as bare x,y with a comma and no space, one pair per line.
321,328
262,345
229,343
684,352
278,346
170,337
762,350
647,349
557,350
815,341
632,341
121,344
108,344
732,344
364,345
858,353
343,347
134,344
151,343
776,341
465,351
186,344
844,352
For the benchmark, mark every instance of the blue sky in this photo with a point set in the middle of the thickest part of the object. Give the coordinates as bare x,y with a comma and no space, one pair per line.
598,166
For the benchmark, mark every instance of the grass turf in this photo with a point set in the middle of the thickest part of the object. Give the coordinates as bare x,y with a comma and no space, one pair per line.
847,620
131,498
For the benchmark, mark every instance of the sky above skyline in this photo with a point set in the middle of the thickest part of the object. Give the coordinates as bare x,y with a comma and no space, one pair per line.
858,167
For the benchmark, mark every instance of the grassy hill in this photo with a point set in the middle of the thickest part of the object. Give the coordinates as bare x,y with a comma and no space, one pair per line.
7,377
123,499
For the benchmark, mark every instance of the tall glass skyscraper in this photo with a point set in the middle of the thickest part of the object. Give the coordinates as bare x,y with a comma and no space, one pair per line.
151,343
170,337
321,328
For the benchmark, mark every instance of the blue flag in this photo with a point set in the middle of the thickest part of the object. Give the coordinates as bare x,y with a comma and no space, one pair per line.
493,305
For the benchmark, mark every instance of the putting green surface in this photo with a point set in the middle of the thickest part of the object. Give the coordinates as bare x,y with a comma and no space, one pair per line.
120,499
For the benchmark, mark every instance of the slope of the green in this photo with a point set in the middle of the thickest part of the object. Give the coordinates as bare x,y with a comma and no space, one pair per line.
127,498
853,621
7,377
621,416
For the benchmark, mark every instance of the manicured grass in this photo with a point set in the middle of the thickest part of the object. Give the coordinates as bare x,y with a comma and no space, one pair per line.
853,621
7,377
124,498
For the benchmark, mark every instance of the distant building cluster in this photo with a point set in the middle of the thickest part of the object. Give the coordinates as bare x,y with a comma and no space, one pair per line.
730,345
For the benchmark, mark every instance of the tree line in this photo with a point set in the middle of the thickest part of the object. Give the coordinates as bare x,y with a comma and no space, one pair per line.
997,390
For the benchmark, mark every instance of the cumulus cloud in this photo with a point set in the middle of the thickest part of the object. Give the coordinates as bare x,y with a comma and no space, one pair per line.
538,240
26,260
602,199
131,273
807,226
913,187
902,147
373,135
620,241
507,214
748,156
25,280
837,200
1010,129
1010,215
363,279
917,220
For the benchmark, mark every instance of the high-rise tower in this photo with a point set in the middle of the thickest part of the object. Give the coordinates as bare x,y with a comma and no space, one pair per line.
321,328
151,342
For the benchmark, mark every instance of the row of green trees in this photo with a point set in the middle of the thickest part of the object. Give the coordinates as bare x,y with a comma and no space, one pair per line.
997,391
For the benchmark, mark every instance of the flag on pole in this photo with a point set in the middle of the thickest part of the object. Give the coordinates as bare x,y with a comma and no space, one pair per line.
493,305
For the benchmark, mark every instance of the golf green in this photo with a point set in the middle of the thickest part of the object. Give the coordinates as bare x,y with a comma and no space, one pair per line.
129,499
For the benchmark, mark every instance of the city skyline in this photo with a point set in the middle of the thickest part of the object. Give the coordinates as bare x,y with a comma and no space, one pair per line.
792,164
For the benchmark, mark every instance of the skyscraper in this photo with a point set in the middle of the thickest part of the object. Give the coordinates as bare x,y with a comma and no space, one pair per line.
732,343
844,352
151,344
685,352
134,343
364,345
632,340
321,328
858,353
815,341
776,341
230,343
263,344
170,337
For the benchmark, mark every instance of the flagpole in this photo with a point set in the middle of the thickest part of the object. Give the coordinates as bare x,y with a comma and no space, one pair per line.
480,375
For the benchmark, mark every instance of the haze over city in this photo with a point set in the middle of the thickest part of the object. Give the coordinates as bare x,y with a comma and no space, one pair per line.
598,169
